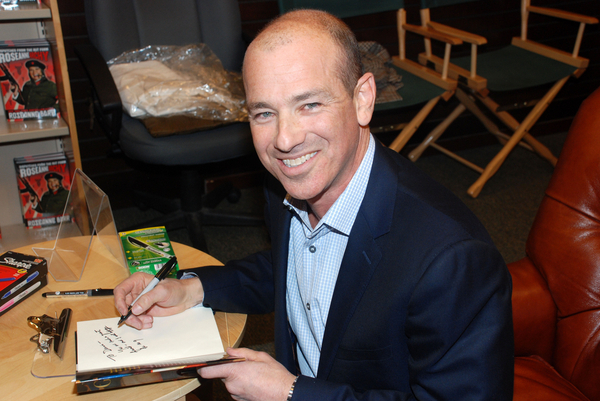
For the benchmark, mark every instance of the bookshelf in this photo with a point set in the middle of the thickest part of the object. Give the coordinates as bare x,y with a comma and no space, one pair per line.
34,21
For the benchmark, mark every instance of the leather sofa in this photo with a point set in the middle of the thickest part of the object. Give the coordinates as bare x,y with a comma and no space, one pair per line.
556,287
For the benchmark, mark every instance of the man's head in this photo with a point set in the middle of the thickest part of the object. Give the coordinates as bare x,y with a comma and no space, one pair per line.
36,69
309,106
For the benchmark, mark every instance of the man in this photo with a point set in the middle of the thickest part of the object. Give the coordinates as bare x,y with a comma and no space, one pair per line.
384,285
53,201
37,93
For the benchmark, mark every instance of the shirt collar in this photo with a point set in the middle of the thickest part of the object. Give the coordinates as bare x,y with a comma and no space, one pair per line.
340,217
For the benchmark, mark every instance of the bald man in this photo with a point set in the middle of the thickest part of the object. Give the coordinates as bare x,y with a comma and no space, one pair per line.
384,285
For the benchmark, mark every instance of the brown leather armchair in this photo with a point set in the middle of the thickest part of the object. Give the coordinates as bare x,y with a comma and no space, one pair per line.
556,287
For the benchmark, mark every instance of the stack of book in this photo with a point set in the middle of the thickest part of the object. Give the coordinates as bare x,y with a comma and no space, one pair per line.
28,81
20,276
44,182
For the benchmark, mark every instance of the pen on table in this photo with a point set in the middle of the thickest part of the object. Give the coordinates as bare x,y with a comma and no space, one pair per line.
98,292
162,273
8,279
18,287
141,244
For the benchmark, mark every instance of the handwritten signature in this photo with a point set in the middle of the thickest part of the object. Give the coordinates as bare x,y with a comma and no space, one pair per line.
113,344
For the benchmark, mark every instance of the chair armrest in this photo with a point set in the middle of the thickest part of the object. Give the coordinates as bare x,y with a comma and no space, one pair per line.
432,34
553,12
108,108
458,33
534,311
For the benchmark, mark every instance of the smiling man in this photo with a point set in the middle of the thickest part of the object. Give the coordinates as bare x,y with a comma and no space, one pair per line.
384,285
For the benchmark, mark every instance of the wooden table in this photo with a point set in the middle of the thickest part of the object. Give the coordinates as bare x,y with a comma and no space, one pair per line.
101,271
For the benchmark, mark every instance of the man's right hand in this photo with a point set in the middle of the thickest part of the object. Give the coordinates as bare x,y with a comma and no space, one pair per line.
169,297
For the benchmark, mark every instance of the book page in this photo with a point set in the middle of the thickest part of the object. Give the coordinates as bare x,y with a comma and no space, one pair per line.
189,337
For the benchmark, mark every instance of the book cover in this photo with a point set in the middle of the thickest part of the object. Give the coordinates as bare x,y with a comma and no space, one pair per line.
172,349
147,250
27,80
44,182
117,378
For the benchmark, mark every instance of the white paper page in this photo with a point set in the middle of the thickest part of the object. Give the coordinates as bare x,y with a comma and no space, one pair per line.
182,338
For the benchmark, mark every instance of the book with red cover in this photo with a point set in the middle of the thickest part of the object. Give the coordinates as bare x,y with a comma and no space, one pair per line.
27,80
44,182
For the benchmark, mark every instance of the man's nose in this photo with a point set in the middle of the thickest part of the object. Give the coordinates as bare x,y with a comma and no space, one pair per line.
289,133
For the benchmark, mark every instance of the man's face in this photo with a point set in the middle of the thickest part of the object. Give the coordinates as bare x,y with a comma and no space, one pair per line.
304,122
35,73
53,184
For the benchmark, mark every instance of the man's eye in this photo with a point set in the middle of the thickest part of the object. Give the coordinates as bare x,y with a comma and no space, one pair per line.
311,106
264,114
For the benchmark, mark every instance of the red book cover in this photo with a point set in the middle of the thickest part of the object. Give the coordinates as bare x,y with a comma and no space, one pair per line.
28,80
44,182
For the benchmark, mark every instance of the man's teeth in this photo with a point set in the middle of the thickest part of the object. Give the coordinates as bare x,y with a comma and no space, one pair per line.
298,161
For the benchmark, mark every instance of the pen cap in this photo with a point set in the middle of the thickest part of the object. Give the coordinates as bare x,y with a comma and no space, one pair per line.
166,269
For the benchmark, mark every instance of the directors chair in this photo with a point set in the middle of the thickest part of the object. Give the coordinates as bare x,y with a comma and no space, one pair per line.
116,26
422,87
522,65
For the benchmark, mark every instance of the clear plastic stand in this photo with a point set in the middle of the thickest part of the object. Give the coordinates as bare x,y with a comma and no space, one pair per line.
87,212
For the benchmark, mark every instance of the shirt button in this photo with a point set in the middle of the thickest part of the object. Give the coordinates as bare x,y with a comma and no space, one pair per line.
312,249
308,306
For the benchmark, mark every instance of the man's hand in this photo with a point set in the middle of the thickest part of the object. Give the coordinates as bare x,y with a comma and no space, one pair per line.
259,378
169,297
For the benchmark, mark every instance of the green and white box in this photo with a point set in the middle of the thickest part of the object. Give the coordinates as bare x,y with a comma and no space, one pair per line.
147,250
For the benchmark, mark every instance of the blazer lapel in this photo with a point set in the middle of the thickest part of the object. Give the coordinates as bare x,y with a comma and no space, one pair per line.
362,255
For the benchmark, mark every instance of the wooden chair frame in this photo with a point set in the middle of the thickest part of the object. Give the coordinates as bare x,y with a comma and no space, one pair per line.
477,90
438,78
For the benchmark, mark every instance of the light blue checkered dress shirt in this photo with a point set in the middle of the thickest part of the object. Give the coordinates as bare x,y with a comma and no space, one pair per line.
314,260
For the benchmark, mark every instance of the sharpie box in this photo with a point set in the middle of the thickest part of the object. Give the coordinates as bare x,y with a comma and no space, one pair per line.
147,250
20,276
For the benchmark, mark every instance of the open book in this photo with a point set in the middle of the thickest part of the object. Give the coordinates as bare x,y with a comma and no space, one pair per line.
172,349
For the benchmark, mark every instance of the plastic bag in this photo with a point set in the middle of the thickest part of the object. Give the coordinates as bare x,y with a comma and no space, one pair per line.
190,80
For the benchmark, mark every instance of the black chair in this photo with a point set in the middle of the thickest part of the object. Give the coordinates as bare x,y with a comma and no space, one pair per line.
115,26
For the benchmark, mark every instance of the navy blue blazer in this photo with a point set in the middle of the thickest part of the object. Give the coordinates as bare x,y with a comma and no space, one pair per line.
422,305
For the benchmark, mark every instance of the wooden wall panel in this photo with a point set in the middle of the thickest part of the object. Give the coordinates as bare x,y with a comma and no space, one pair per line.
497,20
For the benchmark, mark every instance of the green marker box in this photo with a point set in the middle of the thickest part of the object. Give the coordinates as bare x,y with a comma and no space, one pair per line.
147,250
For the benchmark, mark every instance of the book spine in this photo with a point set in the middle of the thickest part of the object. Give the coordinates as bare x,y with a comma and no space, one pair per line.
127,380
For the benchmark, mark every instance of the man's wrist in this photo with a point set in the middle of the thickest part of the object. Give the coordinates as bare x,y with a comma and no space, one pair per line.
195,290
291,392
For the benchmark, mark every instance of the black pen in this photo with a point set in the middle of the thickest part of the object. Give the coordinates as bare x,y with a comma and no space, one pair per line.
162,273
98,292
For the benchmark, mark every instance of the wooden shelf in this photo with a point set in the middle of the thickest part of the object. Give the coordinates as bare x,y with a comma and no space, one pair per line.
31,130
34,21
25,11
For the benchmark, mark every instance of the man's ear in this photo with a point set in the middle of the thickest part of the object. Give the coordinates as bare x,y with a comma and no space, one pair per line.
364,98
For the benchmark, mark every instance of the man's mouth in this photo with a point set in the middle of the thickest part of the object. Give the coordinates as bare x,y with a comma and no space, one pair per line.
298,161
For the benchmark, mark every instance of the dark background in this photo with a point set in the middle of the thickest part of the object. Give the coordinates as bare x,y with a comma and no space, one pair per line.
497,20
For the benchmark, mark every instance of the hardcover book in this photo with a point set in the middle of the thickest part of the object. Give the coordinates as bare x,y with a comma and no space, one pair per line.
109,356
27,80
44,182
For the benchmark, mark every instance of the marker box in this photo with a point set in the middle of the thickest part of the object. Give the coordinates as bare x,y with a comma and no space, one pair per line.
18,272
152,251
